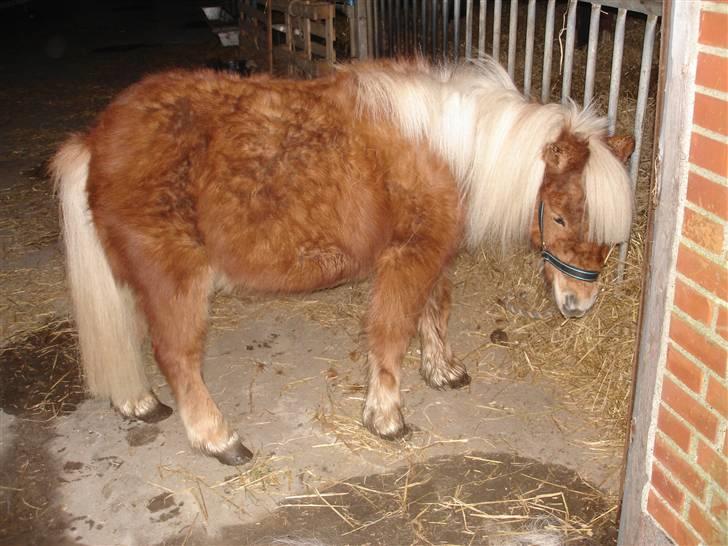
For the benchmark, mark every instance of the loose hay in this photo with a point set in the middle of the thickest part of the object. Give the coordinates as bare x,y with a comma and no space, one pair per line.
260,475
494,499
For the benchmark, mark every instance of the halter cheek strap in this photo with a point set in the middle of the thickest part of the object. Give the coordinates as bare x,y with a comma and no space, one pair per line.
572,271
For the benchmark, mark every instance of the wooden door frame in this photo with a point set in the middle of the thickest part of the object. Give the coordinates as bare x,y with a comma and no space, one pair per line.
673,131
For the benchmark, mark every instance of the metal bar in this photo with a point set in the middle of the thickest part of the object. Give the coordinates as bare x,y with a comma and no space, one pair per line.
414,26
497,7
568,53
269,35
375,25
481,28
530,35
330,37
469,29
406,25
398,26
616,78
643,91
512,29
445,12
433,23
350,11
456,33
548,48
370,27
591,58
639,117
423,26
390,29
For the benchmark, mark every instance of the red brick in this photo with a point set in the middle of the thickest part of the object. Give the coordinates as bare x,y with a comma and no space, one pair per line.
711,113
708,195
707,274
681,469
693,342
709,154
714,464
717,396
721,326
667,488
686,371
669,521
689,409
703,231
674,428
694,304
719,507
712,71
713,29
705,528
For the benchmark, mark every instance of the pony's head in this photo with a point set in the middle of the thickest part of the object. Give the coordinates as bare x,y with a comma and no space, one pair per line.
561,228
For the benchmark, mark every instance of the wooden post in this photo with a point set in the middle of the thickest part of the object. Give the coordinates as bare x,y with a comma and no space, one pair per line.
362,34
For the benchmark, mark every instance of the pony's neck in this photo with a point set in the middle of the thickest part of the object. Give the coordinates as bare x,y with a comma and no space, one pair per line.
493,139
474,117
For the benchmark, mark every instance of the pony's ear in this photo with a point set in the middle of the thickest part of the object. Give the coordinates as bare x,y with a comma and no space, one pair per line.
622,146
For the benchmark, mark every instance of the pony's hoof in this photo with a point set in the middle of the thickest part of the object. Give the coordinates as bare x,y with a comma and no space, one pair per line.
159,413
235,454
460,382
405,433
446,378
393,428
148,409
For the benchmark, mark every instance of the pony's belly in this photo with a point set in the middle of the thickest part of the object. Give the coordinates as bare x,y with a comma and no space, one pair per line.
283,269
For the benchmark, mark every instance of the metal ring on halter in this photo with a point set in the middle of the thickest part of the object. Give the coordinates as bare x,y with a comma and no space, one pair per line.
572,271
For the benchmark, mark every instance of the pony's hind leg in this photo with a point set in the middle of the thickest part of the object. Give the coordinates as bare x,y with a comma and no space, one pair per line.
439,368
177,315
128,386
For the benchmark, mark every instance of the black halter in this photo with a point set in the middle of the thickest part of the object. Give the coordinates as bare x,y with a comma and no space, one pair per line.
567,269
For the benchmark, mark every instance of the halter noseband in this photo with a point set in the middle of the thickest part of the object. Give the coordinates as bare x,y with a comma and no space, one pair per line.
567,269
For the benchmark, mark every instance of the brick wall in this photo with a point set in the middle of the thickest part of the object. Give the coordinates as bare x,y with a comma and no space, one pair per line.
688,493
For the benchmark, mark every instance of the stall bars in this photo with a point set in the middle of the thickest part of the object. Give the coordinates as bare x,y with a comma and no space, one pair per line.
406,27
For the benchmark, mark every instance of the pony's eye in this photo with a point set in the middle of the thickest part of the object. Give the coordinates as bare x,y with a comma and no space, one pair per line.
559,220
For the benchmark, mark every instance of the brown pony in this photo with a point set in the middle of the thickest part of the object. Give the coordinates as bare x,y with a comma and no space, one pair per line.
195,180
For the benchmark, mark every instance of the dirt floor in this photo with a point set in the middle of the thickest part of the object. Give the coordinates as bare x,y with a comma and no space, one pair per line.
529,453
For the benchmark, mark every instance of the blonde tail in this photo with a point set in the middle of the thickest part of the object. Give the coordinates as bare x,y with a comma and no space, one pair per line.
105,312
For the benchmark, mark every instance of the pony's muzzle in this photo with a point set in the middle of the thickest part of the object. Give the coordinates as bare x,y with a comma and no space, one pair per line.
570,307
573,302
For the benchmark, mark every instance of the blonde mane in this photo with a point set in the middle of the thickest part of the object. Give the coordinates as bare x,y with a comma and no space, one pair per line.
493,139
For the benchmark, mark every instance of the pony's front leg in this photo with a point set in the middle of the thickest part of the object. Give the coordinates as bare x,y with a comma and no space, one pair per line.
402,284
438,367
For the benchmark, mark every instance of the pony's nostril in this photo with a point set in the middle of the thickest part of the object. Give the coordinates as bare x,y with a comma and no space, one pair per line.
570,307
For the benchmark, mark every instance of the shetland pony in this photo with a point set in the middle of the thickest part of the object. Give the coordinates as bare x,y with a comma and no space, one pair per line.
195,180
